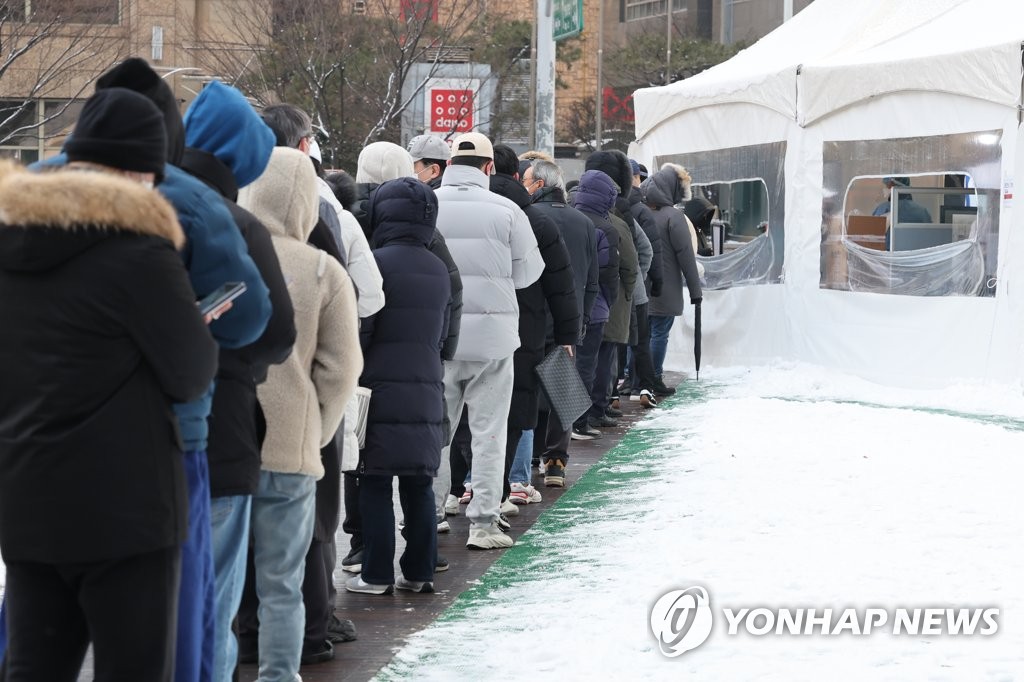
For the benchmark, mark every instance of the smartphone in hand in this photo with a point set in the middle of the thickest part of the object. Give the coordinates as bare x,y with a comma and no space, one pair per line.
220,296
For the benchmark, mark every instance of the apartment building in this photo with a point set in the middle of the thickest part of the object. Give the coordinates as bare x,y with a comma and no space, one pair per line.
63,45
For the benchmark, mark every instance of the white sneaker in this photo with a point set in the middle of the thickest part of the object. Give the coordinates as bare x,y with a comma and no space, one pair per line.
451,505
488,537
442,526
467,495
413,585
356,584
524,493
508,509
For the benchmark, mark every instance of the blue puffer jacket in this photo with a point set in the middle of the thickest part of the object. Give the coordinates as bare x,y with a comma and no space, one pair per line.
402,343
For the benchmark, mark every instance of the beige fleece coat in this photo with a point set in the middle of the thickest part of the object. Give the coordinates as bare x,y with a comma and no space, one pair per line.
304,398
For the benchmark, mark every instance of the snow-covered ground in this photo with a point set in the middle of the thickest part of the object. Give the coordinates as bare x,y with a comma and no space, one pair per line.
779,487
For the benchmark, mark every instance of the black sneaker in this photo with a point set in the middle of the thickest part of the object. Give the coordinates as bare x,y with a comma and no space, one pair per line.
602,422
554,473
353,561
503,523
612,412
660,389
340,630
318,654
442,564
585,432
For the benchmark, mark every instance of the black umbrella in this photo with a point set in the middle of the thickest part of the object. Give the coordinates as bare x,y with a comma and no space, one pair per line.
696,337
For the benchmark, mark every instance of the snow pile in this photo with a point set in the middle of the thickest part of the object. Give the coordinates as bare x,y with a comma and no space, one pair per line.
783,487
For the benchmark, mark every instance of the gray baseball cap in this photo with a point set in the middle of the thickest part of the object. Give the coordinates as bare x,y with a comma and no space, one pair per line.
429,147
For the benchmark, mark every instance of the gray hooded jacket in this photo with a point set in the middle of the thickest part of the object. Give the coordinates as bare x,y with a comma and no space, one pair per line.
662,191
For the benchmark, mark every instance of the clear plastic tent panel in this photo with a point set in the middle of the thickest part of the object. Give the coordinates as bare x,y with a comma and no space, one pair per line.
760,260
964,222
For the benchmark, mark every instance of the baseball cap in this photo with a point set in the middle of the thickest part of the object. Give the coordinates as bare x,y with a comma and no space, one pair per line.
472,144
429,147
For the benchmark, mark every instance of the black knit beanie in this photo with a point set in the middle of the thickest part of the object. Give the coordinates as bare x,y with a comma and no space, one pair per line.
121,129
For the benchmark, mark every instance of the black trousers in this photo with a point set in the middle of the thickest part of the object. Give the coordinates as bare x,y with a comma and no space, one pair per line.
550,440
318,582
642,375
416,494
460,455
127,608
353,523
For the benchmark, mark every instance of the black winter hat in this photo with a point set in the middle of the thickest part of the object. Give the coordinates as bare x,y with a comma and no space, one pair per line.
136,74
121,129
614,164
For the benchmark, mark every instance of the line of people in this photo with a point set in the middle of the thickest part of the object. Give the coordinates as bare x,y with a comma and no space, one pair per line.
171,484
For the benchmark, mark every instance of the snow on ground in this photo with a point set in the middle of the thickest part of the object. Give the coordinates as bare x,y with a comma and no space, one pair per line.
778,487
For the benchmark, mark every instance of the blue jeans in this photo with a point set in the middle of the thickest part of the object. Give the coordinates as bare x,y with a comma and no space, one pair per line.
193,659
282,528
229,519
3,630
521,462
661,325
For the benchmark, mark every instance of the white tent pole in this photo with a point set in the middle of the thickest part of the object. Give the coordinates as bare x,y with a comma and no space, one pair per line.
787,10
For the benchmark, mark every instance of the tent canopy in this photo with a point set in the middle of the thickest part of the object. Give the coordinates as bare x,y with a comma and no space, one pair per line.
818,62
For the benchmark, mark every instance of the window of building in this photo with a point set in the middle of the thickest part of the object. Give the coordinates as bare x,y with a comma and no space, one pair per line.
634,10
912,216
738,207
67,11
36,129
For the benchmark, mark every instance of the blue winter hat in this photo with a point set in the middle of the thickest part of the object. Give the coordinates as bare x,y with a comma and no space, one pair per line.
635,166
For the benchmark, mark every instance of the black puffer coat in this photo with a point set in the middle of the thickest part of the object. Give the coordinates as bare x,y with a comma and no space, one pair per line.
402,342
438,247
554,291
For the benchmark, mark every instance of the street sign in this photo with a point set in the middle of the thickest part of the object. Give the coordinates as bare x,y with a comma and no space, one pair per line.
568,19
449,105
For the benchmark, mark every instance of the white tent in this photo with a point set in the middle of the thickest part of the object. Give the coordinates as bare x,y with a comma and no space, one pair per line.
924,79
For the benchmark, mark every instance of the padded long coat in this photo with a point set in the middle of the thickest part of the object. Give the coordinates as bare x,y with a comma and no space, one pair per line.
402,342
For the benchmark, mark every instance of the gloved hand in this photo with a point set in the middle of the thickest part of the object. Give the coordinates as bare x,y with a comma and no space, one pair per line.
696,301
655,287
583,330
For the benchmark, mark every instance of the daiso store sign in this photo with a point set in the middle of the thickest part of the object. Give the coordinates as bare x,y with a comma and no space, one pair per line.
449,105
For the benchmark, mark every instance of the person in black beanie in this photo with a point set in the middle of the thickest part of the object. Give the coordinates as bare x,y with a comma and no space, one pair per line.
120,129
101,335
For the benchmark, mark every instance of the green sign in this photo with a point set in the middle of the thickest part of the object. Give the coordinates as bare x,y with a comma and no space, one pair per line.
568,18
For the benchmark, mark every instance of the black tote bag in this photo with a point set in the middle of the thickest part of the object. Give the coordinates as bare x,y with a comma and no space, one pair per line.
562,387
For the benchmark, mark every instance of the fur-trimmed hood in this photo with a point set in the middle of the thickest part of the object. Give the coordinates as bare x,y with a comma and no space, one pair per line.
670,186
71,201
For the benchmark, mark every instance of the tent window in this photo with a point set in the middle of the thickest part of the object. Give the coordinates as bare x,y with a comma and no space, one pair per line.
912,216
738,206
